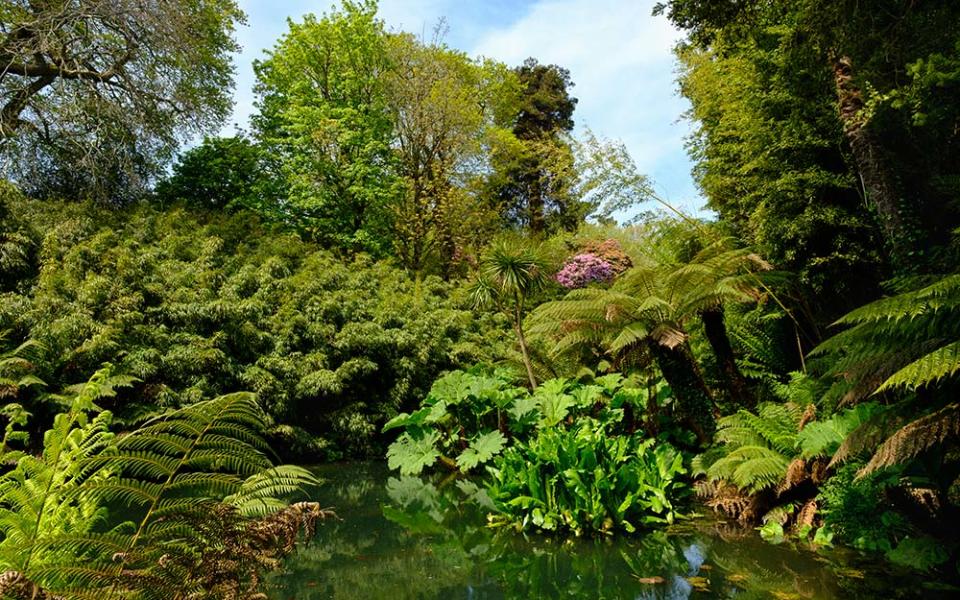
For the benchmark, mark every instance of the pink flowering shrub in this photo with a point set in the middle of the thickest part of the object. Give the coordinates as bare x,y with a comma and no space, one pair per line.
584,269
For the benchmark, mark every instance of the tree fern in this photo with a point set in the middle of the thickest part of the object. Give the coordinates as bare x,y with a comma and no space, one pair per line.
753,451
174,473
895,346
916,437
907,340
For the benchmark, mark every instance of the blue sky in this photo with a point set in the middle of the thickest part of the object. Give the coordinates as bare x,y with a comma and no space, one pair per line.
619,58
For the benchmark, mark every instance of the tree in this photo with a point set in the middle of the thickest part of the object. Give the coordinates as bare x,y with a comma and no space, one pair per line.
509,275
533,169
220,173
882,69
97,94
768,157
444,106
323,112
650,309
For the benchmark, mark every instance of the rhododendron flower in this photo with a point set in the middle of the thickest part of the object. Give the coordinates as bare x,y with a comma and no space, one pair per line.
584,269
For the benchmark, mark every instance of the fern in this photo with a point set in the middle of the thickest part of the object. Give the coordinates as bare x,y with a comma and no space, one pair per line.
753,451
173,472
899,344
929,368
823,438
908,340
751,468
915,438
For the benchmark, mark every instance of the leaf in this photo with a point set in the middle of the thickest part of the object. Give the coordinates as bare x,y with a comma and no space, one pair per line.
481,450
921,553
554,408
452,388
411,455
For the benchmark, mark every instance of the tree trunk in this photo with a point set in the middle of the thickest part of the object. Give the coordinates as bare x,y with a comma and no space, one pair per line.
518,325
899,222
736,383
695,404
535,203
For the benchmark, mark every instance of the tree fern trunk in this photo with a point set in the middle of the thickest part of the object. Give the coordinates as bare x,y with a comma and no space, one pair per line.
694,400
899,221
736,383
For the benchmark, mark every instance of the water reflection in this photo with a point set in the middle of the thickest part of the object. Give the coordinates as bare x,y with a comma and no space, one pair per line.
403,538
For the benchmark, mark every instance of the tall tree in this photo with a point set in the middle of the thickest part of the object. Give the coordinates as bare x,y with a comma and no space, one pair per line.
534,169
96,94
323,112
220,173
893,89
444,106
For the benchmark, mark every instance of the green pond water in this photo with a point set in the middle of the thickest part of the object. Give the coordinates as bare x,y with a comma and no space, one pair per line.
402,538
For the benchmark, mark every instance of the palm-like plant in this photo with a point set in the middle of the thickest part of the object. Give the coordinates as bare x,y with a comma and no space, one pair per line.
651,307
907,347
509,275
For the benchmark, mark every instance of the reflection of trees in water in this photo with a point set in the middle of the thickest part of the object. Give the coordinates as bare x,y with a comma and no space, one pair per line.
410,538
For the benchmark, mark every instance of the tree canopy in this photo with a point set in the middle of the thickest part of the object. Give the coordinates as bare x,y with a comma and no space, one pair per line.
97,95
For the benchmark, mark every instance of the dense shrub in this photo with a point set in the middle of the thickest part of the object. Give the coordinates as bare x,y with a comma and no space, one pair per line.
564,458
195,305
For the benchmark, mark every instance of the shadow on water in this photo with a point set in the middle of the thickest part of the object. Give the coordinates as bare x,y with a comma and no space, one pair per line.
402,538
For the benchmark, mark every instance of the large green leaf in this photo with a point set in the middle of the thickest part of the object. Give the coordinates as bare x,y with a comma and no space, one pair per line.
481,450
411,455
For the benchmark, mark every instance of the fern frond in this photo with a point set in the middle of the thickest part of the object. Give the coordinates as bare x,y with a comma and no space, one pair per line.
916,437
929,368
752,468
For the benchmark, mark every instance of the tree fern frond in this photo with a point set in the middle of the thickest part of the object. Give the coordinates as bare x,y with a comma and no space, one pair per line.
929,368
752,468
916,437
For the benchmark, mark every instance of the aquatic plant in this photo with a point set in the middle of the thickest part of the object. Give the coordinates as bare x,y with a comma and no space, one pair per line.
582,480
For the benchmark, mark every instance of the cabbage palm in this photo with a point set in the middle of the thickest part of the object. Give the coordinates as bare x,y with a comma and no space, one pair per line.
509,274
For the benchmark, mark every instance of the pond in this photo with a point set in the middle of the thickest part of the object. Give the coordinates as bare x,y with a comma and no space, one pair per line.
402,538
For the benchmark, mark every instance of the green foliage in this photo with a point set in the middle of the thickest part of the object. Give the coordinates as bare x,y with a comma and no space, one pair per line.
823,438
481,449
583,480
857,512
767,159
324,117
920,553
64,514
375,136
98,98
906,340
560,458
457,421
199,304
897,346
754,450
220,173
800,106
469,417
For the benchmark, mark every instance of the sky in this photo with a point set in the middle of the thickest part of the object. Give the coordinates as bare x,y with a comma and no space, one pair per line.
619,56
